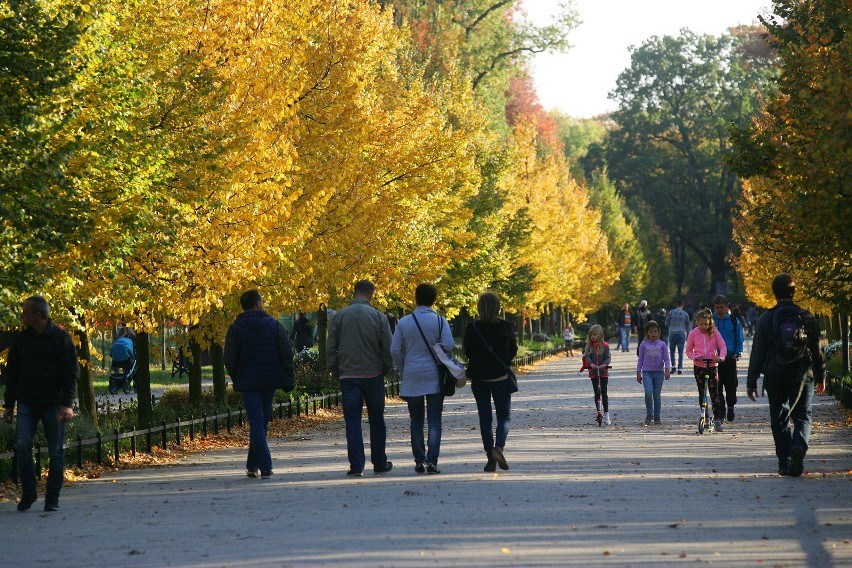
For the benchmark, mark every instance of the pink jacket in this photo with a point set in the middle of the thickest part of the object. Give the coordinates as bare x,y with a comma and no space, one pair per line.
701,346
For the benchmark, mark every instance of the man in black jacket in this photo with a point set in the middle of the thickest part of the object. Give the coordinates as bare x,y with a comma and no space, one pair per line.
41,376
788,377
259,359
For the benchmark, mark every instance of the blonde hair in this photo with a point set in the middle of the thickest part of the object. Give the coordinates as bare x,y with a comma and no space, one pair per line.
595,330
706,314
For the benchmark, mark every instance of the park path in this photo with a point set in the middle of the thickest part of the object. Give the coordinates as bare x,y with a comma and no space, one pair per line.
576,494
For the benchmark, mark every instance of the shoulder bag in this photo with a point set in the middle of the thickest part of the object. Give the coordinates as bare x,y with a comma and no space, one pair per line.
447,380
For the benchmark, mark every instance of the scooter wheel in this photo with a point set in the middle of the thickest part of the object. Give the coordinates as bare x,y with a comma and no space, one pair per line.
113,389
701,426
600,420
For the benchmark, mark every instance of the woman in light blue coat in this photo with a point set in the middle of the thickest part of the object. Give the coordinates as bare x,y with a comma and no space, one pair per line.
421,385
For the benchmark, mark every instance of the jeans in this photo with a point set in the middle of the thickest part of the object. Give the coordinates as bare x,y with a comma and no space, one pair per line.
483,392
431,405
677,339
782,393
259,413
357,392
625,337
728,382
653,383
54,431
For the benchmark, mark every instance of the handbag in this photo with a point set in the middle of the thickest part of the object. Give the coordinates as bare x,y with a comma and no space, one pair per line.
445,377
513,380
453,365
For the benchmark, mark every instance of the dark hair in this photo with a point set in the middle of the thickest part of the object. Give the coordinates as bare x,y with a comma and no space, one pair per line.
720,299
488,307
783,286
365,288
39,305
651,325
249,300
679,302
425,294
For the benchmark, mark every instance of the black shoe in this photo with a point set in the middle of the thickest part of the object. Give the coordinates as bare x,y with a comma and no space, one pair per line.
379,470
680,371
430,468
26,502
353,473
266,474
252,473
497,454
730,415
51,506
797,461
490,466
783,471
420,468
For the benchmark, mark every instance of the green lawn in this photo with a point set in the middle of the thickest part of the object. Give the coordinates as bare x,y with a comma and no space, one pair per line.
159,379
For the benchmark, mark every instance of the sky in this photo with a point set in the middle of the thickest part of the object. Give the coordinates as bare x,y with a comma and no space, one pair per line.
577,82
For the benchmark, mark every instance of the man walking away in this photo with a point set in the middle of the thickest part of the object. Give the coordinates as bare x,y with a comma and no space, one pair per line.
358,353
678,322
41,376
731,329
786,351
259,359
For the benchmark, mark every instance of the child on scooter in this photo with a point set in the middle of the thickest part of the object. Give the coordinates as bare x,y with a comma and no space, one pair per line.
652,366
596,358
705,342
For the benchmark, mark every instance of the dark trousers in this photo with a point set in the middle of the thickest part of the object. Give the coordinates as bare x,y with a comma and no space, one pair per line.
789,429
599,386
483,393
357,393
728,382
707,377
54,431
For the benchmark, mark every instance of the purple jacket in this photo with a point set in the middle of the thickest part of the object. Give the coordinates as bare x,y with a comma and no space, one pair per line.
653,356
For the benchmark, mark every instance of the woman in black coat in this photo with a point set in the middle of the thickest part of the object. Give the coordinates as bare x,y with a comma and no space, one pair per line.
490,346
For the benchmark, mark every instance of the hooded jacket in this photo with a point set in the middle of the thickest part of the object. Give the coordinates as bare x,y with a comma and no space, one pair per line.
258,354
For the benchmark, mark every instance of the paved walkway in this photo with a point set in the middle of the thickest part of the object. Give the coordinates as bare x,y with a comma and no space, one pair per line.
576,494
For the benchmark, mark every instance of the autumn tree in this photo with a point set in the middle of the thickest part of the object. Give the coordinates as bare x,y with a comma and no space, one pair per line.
796,157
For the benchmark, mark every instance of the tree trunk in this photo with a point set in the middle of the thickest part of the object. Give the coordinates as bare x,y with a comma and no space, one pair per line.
719,271
85,386
144,412
322,334
217,354
163,346
195,372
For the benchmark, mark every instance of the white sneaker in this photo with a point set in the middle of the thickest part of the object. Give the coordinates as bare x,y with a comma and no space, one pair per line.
606,419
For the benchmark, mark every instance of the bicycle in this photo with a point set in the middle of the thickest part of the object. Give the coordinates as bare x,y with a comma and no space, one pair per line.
705,422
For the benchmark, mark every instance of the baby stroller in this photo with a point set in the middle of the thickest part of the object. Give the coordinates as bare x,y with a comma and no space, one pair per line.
122,372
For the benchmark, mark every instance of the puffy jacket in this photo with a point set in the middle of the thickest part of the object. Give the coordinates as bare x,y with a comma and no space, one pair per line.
42,369
258,354
481,364
701,346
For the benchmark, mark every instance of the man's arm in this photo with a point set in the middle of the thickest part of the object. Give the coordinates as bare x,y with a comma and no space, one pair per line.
285,352
385,343
757,359
331,346
70,369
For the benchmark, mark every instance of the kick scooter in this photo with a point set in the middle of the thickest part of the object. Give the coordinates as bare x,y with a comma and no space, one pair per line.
706,422
598,401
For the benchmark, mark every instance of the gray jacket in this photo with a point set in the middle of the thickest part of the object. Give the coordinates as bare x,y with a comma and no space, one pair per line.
678,321
359,339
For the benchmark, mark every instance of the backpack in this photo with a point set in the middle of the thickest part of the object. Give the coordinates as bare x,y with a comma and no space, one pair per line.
790,337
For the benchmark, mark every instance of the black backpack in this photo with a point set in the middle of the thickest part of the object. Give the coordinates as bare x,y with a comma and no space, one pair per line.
790,336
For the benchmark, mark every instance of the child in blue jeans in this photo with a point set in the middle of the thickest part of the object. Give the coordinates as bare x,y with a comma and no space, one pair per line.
653,365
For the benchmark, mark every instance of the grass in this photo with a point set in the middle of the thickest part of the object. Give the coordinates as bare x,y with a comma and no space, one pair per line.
160,379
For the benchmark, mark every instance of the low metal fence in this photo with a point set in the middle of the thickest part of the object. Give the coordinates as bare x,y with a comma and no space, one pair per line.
842,390
161,435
